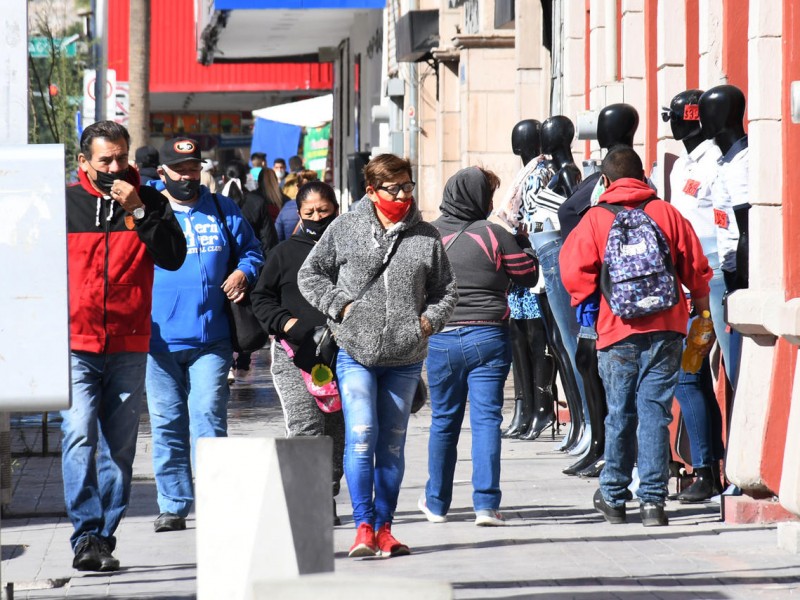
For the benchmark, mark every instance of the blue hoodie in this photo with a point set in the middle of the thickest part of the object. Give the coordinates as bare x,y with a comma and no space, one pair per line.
189,304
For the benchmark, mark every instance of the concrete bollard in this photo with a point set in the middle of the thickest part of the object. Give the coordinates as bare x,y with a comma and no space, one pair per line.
264,511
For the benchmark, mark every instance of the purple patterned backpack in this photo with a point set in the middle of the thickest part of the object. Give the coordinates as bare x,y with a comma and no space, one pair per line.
638,276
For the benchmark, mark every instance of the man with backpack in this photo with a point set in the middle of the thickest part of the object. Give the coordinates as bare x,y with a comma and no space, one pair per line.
637,251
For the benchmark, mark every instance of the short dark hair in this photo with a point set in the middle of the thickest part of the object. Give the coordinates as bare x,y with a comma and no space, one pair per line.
108,130
386,167
278,161
295,164
320,187
260,155
622,161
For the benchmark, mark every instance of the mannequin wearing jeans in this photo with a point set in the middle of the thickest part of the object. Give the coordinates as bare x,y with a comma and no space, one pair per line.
692,180
533,368
557,134
616,125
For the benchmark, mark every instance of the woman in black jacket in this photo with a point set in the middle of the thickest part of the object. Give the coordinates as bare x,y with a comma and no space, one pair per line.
286,314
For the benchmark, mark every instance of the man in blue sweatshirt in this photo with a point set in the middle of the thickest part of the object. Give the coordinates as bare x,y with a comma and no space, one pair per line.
190,347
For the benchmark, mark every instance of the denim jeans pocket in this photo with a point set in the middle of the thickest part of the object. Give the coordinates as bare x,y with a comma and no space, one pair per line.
494,351
438,365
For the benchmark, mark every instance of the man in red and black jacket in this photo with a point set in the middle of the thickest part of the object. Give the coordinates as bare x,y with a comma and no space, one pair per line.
116,232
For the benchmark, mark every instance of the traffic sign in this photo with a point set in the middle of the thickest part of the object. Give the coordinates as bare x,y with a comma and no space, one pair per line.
41,47
89,77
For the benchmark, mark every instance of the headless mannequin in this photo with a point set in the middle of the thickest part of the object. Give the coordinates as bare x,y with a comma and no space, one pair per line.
616,124
557,134
534,370
695,391
722,116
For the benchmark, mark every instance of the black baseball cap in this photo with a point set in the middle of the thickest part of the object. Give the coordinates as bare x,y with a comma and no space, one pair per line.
146,156
178,150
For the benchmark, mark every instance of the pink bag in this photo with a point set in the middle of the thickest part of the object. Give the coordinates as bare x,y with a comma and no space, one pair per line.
320,384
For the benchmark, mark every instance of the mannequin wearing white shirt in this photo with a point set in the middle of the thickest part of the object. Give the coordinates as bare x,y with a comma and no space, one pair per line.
722,115
692,179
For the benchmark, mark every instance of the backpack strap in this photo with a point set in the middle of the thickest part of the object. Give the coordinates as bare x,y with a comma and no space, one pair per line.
614,208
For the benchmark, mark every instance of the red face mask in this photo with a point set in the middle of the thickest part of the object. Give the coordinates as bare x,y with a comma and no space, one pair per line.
393,210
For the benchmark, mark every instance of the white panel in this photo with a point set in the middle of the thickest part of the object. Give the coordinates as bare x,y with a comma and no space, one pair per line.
34,329
13,70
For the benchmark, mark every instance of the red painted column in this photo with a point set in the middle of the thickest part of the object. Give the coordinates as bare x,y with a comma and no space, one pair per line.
780,401
651,83
791,150
734,42
692,44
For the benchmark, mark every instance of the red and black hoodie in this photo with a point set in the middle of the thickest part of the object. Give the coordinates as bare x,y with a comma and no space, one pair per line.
110,260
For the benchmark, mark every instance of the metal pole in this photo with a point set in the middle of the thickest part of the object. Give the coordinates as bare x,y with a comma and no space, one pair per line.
100,35
413,100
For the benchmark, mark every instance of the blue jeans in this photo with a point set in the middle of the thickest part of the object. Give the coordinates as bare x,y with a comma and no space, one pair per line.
187,395
469,360
563,313
639,375
376,402
695,392
99,440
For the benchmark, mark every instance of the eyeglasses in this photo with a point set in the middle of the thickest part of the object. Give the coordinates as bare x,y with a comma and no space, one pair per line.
393,190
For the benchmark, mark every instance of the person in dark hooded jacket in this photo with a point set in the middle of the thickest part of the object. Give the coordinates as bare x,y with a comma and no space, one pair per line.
472,354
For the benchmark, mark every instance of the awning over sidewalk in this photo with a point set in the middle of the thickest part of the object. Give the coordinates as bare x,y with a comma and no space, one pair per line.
313,112
275,30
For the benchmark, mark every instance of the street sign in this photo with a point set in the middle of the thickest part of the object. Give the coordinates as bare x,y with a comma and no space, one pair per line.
40,47
122,104
88,95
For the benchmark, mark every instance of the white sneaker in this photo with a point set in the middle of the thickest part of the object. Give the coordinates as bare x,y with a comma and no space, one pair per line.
489,518
231,376
423,506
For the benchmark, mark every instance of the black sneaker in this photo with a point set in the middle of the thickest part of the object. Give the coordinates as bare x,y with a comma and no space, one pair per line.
87,554
612,514
107,562
653,515
169,522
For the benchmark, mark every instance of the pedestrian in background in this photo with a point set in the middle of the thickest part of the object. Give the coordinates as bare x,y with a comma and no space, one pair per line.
117,230
287,315
472,355
190,350
382,325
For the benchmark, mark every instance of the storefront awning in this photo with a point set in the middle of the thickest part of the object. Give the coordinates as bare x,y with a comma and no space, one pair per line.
314,112
275,30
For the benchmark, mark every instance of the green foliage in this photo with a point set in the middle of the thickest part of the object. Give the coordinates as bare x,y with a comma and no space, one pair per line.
55,88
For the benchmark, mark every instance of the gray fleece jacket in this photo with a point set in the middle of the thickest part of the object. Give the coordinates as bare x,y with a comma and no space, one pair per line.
382,328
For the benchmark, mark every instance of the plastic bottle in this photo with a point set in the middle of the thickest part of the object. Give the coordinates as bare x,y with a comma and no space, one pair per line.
699,336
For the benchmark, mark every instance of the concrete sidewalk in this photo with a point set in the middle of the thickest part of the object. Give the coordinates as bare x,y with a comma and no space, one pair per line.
554,546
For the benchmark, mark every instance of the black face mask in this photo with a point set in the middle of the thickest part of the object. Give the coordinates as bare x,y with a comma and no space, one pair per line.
315,229
182,189
104,181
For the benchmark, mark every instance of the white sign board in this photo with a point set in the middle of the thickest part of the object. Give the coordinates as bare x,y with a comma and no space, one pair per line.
122,104
89,78
13,73
34,312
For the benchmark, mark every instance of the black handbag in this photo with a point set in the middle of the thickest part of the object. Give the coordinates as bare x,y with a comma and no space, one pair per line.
247,335
319,349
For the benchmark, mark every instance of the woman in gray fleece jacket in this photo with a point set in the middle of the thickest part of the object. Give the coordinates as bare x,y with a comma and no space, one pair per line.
382,336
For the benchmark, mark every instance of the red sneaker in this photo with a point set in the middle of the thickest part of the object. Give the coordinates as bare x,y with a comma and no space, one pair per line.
365,542
387,544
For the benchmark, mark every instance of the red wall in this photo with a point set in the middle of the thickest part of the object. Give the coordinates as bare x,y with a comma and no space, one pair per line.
173,57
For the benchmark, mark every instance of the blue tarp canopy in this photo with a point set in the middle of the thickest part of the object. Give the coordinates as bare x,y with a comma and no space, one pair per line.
276,140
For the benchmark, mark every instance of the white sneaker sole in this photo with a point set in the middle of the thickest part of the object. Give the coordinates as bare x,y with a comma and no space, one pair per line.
487,521
428,514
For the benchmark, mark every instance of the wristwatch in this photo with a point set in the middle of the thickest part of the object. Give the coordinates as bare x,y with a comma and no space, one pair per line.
138,213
